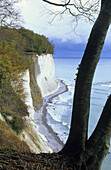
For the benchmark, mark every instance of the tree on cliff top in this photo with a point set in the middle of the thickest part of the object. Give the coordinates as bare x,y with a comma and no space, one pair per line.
90,152
9,15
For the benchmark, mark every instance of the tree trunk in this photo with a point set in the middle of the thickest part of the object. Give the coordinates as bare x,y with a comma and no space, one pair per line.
98,144
77,140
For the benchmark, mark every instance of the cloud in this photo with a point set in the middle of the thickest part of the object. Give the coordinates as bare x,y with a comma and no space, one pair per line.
37,18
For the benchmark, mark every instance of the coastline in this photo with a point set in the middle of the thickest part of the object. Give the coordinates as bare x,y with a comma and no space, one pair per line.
53,140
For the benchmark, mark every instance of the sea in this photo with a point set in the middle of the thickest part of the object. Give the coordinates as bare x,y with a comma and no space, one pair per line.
59,110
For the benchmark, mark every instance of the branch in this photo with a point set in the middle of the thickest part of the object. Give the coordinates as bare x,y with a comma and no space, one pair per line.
61,5
76,9
9,14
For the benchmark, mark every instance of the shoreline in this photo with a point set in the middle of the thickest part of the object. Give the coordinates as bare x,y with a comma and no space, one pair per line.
53,140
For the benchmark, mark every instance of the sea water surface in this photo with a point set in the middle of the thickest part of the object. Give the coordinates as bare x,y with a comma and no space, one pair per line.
59,110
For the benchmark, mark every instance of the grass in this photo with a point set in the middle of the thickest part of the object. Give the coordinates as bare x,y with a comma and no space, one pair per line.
9,140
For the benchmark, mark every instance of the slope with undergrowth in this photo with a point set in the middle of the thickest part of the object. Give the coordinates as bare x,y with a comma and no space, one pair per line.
14,43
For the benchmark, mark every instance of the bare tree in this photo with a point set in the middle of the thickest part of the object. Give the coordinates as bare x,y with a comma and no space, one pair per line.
9,15
76,8
90,152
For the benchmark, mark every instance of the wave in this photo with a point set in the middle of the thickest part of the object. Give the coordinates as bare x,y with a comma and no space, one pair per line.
108,83
59,127
60,108
59,112
105,85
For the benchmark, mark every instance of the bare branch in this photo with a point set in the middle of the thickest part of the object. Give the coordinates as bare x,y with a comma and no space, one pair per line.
77,9
9,15
61,5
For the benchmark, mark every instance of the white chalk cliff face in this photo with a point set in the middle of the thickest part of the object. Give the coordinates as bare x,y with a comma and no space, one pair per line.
30,134
27,90
44,71
46,75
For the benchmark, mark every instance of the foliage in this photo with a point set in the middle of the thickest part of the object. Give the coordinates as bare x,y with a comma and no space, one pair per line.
10,61
36,43
16,124
12,65
9,140
10,101
11,105
27,41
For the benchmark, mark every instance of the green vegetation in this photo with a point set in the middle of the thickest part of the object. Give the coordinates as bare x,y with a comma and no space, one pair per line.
16,124
12,106
27,41
12,65
9,140
14,45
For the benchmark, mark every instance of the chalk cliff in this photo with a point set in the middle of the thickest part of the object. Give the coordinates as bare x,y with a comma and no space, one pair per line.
46,75
40,79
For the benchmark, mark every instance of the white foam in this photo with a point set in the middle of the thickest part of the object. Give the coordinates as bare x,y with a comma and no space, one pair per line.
57,112
59,130
66,96
60,111
106,85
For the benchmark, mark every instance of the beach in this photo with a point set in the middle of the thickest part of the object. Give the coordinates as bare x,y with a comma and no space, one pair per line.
53,140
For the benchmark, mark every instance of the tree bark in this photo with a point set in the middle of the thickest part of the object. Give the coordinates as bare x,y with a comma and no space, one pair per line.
98,144
79,125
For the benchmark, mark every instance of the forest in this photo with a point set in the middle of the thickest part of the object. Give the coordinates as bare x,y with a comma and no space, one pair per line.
27,41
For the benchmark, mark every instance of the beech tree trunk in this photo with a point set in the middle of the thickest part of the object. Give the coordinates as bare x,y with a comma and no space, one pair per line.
95,149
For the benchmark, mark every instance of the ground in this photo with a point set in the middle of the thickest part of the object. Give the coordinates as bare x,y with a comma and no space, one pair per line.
14,160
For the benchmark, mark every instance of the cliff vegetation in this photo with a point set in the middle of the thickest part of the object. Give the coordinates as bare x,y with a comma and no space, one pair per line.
27,41
14,45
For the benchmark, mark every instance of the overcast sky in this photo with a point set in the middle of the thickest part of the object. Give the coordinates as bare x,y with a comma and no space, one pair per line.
37,18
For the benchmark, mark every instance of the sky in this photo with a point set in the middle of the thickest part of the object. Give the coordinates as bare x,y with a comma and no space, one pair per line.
37,16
